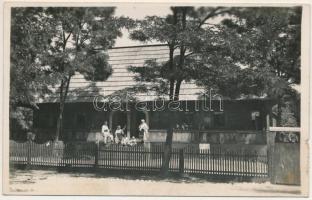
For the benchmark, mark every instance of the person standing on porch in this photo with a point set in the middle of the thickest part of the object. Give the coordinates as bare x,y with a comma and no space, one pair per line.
143,128
106,133
119,134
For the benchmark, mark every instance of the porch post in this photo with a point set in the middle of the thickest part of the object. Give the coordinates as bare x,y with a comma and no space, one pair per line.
110,123
267,121
147,117
147,143
270,150
128,123
274,122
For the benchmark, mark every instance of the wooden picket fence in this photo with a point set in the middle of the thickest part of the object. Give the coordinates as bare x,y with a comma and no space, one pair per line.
188,160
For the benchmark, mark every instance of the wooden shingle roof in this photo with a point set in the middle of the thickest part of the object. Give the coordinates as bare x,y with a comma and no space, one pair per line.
81,90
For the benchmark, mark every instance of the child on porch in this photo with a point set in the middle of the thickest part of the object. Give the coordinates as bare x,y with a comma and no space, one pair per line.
124,141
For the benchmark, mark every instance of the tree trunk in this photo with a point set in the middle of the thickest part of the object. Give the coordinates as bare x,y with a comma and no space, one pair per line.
164,172
171,89
177,90
59,124
172,80
168,145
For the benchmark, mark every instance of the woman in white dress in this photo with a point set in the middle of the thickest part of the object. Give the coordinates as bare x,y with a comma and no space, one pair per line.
106,133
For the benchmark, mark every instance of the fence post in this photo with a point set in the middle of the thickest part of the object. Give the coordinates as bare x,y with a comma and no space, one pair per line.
270,155
96,154
28,154
181,161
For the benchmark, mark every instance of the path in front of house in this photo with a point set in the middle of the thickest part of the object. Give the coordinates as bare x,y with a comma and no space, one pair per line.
39,182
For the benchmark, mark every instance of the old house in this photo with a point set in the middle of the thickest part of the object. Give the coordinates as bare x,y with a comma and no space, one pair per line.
198,120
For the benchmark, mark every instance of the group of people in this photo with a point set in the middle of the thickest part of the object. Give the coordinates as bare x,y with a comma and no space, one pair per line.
119,137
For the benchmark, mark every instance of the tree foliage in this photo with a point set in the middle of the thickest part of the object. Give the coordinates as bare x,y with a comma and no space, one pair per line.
270,48
272,40
191,41
29,80
58,42
81,36
30,32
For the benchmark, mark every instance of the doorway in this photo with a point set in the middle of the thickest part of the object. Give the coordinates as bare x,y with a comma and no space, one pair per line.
119,118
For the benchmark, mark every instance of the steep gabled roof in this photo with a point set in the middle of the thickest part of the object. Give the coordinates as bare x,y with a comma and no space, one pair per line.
81,90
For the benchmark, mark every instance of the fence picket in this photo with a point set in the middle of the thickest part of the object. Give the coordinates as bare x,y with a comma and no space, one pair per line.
214,161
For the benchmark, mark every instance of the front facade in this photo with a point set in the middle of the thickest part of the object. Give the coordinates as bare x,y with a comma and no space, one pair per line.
197,120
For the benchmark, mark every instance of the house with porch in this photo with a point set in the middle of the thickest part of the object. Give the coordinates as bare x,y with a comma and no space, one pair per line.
199,120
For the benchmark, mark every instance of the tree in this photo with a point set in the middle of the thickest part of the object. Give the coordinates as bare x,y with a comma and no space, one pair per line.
270,50
49,45
30,31
190,39
80,37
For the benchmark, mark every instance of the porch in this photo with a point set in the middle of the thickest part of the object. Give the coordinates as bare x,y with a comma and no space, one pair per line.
239,120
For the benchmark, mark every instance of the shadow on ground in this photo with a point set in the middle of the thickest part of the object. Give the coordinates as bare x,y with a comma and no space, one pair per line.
174,177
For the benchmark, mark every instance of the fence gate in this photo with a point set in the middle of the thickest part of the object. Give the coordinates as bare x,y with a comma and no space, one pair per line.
285,155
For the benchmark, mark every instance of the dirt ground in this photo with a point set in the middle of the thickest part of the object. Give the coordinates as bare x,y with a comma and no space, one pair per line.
38,182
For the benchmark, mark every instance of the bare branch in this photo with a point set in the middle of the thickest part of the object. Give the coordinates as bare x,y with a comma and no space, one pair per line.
189,54
68,36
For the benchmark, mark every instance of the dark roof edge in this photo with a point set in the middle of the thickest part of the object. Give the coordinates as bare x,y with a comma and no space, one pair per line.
147,45
227,100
